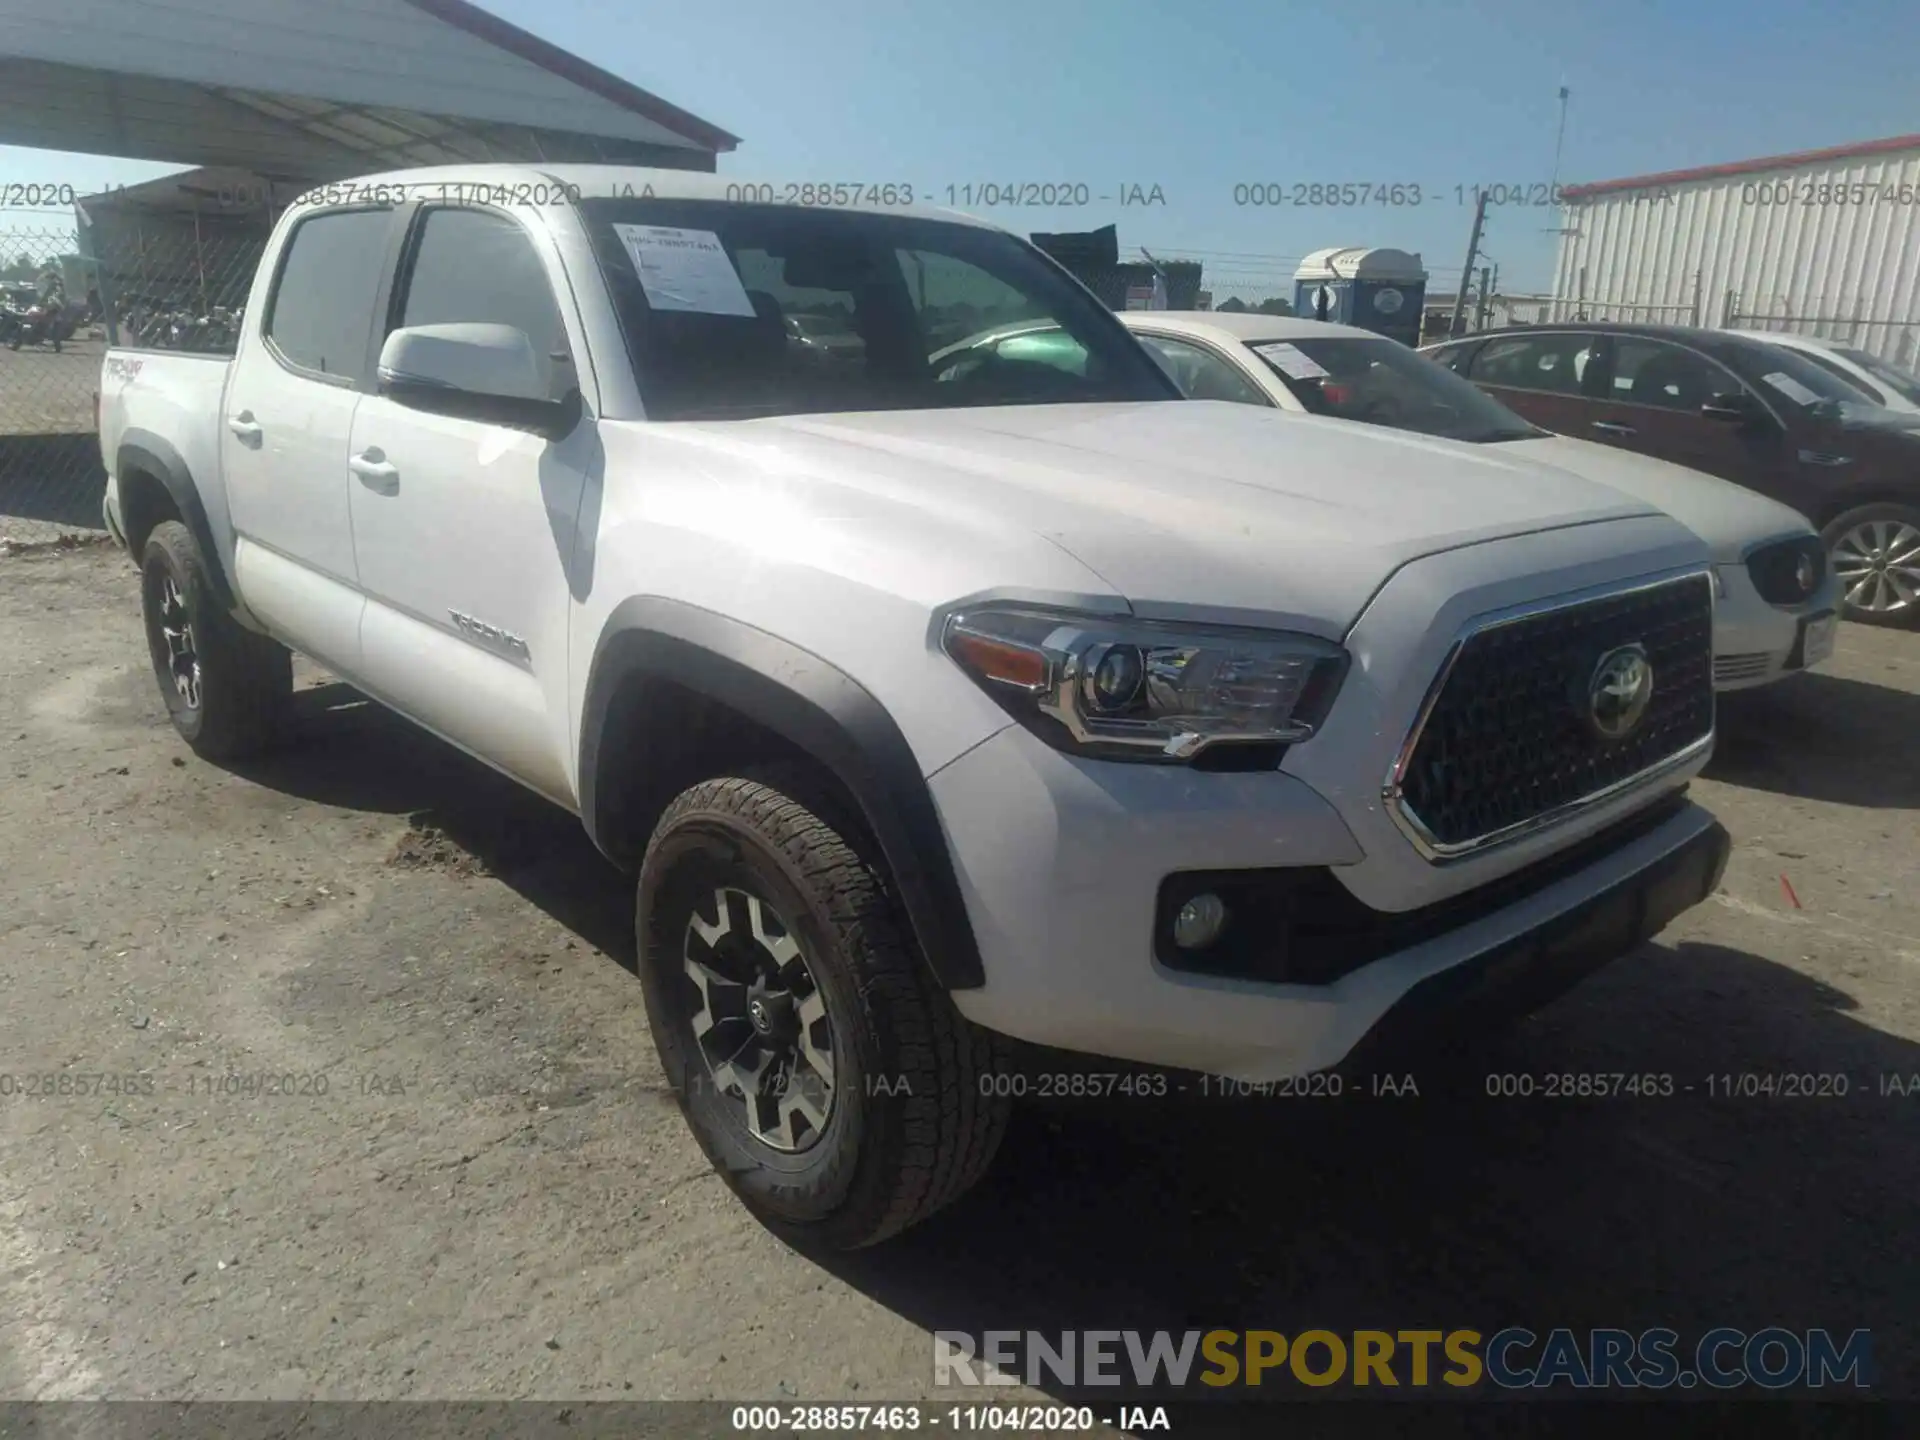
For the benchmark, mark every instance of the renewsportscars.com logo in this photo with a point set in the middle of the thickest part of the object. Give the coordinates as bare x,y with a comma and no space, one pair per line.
1773,1358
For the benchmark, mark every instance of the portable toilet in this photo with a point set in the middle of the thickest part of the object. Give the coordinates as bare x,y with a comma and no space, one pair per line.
1380,290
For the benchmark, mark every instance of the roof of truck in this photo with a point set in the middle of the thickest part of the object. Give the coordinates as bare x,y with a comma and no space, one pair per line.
615,181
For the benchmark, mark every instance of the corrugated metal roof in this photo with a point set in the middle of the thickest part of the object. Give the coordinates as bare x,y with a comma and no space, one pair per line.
320,89
1743,167
568,66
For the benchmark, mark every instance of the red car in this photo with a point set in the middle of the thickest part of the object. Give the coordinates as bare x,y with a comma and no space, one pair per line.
1760,415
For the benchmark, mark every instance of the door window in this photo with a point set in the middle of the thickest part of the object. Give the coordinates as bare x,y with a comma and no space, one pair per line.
476,267
1201,374
1652,372
321,314
1556,362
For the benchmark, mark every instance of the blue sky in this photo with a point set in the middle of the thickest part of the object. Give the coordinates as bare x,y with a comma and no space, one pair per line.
1203,95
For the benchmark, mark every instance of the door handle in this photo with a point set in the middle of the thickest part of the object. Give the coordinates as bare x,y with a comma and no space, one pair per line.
1609,427
244,425
375,472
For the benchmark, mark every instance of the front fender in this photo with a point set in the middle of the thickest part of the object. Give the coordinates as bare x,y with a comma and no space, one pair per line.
813,705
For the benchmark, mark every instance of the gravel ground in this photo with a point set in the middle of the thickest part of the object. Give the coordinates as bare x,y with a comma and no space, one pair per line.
46,393
494,1198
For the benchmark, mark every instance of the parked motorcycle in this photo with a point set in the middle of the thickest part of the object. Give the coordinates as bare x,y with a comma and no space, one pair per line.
50,324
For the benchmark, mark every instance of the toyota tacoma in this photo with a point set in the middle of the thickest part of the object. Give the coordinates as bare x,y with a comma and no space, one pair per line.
938,699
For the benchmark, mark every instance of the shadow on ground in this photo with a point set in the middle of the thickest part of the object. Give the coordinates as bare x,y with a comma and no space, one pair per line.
1449,1209
1822,737
1694,1210
52,478
358,755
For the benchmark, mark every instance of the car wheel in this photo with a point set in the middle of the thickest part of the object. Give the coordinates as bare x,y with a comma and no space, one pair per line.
1875,554
225,686
827,1077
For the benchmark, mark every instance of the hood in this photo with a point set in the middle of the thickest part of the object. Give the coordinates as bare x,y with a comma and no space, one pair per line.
1189,506
1728,517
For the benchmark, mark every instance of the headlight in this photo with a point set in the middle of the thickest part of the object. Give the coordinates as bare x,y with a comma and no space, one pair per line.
1788,572
1145,690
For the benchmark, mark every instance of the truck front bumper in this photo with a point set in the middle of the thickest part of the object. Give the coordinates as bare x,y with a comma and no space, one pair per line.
1062,863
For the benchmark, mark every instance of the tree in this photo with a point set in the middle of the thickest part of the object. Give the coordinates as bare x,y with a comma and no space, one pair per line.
1234,306
1274,305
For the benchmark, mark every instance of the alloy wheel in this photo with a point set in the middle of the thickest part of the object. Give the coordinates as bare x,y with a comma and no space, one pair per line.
1878,565
183,654
761,1024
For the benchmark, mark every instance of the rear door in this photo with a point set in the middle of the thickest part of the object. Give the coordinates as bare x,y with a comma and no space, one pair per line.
294,385
1654,390
464,531
1549,376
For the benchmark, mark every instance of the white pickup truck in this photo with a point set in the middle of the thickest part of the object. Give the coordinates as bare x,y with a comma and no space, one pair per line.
935,696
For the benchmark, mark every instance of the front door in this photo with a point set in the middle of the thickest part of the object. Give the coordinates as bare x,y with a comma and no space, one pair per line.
295,383
463,530
1654,393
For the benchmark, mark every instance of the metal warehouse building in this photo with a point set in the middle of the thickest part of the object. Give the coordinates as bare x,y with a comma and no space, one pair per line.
1825,242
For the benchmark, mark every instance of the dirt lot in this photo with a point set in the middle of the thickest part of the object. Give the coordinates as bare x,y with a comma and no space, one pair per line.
493,1197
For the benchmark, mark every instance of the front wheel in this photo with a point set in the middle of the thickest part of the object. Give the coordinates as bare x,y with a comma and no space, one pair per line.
827,1077
225,687
1875,554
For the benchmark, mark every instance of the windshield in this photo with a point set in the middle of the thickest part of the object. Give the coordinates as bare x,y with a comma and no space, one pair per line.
1381,382
1902,382
820,326
717,301
1787,375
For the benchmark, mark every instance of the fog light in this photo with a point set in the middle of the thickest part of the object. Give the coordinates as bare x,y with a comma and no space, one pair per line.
1200,922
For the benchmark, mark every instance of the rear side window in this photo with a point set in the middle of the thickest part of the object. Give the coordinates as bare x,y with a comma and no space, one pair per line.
1554,362
472,266
321,316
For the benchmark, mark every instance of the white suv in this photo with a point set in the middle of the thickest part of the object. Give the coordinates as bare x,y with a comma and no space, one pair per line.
935,697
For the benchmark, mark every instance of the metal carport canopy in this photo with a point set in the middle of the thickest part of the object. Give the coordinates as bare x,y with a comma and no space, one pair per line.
320,89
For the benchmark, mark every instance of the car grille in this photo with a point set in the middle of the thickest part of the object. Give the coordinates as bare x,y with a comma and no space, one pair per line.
1507,741
1727,669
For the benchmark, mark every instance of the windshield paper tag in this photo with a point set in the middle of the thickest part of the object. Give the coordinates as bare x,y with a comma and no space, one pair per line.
685,270
1791,388
1292,360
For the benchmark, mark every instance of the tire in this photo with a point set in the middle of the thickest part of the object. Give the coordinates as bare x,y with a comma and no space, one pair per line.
898,1126
225,687
1890,531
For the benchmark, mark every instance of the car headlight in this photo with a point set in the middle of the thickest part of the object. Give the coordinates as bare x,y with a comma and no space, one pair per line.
1788,572
1146,690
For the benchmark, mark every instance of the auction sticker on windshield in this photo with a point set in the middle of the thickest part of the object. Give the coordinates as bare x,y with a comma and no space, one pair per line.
685,270
1292,360
1791,388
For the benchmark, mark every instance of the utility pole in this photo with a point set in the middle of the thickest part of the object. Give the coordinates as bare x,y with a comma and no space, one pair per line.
1466,270
1484,310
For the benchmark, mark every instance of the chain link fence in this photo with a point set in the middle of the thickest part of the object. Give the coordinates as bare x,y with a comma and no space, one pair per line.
1895,341
51,339
166,269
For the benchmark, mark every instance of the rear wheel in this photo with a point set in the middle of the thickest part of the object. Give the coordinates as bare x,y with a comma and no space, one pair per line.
827,1077
1875,554
225,687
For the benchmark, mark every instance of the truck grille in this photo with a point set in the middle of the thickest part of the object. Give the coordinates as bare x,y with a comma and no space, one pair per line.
1514,734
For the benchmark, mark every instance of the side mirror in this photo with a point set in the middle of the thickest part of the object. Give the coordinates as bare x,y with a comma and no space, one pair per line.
1734,408
477,372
